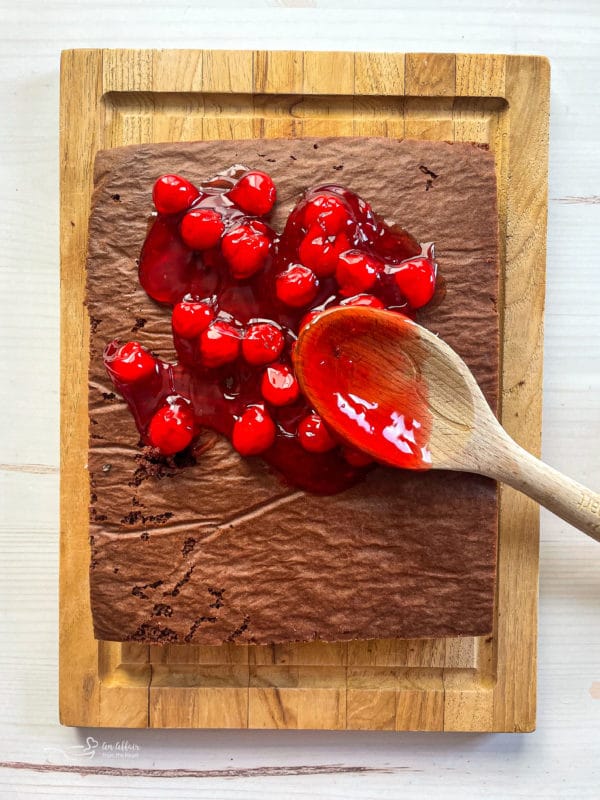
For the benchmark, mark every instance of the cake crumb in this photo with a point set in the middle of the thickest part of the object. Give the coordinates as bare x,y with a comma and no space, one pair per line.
238,631
162,610
152,632
188,547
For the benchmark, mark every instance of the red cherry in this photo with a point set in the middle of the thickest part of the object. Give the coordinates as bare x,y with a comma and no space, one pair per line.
368,300
308,318
172,194
190,318
416,281
245,250
253,432
329,211
254,193
356,458
356,272
297,286
320,252
171,429
131,363
259,226
262,343
312,251
279,386
219,344
201,228
314,436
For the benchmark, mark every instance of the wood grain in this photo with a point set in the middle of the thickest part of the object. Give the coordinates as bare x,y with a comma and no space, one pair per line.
81,85
122,97
526,196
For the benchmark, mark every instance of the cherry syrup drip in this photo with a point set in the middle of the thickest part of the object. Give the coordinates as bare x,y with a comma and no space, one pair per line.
240,293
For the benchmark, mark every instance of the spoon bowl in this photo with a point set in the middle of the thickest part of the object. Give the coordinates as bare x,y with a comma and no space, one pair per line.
394,390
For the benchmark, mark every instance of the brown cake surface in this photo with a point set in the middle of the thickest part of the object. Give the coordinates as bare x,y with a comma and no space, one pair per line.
222,550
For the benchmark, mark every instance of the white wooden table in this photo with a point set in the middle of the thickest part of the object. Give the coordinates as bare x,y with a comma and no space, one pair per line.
38,757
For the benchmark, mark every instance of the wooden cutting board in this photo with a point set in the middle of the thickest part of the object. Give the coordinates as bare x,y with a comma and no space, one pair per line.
116,97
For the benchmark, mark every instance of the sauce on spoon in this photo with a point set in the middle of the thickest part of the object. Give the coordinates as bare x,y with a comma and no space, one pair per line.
390,421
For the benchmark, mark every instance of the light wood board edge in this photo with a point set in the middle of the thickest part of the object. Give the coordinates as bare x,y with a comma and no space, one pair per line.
461,704
528,95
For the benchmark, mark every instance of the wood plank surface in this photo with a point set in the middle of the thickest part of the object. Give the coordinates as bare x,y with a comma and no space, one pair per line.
81,77
124,97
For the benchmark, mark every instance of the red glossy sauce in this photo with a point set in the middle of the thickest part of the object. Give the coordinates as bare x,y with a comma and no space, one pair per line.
326,223
390,422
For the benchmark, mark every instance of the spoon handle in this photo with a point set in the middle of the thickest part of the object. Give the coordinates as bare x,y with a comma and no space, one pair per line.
569,500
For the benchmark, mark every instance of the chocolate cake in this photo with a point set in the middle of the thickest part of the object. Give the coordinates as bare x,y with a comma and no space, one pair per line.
216,548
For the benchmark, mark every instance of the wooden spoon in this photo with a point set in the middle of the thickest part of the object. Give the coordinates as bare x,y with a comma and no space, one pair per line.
392,389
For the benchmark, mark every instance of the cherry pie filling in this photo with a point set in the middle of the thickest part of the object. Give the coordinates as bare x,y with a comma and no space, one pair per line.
239,292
